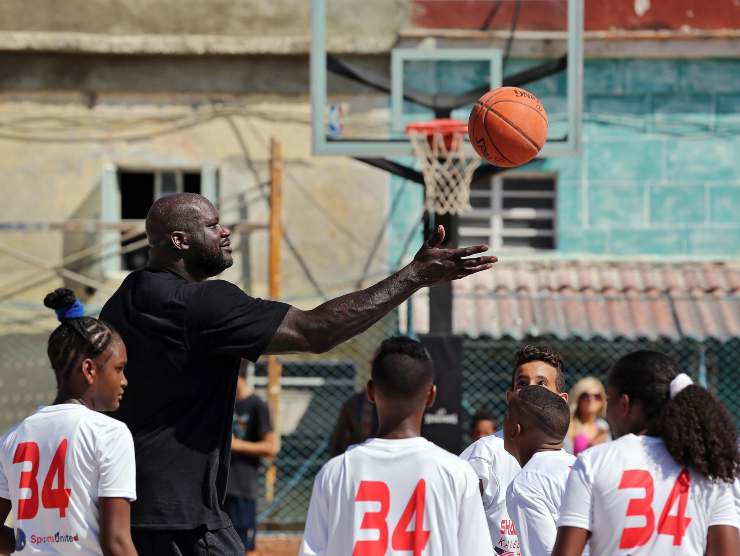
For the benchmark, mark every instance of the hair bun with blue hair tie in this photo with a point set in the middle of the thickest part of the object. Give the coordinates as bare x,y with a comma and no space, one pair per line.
65,304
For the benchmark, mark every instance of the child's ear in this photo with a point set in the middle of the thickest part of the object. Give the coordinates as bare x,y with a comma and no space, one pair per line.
88,370
370,391
432,395
625,405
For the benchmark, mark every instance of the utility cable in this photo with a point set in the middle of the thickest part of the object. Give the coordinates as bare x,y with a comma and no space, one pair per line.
288,241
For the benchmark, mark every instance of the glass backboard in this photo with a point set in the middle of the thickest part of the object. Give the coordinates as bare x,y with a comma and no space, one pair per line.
376,66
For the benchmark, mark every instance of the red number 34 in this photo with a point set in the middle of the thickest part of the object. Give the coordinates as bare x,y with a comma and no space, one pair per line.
51,497
402,539
674,525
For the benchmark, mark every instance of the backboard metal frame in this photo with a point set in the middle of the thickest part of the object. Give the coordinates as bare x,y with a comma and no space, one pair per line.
324,145
399,56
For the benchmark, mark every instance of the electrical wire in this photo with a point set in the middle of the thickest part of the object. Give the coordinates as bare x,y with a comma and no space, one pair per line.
88,139
512,32
311,198
185,123
381,232
11,128
491,16
286,238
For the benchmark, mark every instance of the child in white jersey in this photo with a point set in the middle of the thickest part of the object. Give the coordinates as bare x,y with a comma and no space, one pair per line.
397,493
533,365
535,425
665,486
68,471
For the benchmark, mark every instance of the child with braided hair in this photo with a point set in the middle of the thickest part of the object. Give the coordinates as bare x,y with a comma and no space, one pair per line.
68,471
665,485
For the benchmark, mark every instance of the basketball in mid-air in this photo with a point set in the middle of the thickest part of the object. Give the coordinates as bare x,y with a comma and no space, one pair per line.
508,126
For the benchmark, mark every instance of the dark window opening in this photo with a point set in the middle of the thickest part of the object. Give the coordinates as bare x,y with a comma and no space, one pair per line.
138,192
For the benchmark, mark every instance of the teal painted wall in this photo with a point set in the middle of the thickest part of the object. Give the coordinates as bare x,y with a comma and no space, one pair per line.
659,171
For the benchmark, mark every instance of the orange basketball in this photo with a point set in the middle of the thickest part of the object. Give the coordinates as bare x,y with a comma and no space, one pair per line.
508,126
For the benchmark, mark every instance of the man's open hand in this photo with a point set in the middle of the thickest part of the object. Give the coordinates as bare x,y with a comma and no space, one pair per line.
434,264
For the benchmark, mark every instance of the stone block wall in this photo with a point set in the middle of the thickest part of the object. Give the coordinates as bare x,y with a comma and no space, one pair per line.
659,172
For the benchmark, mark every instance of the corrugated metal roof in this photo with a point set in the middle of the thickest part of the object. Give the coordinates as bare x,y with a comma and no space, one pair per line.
586,299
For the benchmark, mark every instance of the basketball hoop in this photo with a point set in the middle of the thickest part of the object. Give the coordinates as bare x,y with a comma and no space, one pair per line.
439,147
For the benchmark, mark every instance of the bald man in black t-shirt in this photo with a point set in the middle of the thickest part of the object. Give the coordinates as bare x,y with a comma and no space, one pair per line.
185,337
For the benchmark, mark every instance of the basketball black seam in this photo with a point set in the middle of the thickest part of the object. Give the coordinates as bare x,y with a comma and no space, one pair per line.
517,129
493,143
513,125
521,104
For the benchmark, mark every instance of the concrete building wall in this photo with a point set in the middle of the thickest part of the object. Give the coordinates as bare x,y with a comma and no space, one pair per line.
220,17
659,173
181,26
55,149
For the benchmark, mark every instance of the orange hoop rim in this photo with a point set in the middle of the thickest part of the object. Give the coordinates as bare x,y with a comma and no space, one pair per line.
443,126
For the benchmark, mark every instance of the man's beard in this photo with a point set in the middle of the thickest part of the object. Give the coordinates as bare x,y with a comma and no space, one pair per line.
210,262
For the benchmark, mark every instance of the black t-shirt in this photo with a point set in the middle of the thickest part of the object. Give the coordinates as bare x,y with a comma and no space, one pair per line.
184,342
251,422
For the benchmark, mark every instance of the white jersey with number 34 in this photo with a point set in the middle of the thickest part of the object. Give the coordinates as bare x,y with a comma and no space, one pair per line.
396,497
54,466
635,499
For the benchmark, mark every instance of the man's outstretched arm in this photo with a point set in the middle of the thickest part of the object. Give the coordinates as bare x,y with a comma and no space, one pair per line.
331,323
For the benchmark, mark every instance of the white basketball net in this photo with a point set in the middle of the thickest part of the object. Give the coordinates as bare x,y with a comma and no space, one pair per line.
447,171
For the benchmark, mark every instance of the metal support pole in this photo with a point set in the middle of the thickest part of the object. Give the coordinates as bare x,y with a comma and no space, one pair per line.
440,297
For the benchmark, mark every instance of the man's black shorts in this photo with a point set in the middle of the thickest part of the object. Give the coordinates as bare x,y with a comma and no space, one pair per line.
192,542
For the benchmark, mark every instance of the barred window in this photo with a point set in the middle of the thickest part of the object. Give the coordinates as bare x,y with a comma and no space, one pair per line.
511,213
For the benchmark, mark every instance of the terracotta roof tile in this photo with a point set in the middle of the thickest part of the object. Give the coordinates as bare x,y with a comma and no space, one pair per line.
587,299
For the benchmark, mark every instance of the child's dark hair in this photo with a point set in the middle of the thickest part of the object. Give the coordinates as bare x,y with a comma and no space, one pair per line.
76,338
483,415
402,367
695,426
542,410
544,353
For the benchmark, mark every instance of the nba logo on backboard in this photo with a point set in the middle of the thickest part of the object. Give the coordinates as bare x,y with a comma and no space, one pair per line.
334,125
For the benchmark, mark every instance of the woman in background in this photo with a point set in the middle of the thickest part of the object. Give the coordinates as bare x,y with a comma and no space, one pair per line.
588,427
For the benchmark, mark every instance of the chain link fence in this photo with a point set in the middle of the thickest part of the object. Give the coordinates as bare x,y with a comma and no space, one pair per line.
26,378
487,368
488,364
315,387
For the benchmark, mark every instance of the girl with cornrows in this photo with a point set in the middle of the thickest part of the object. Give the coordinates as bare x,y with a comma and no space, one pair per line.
67,471
664,487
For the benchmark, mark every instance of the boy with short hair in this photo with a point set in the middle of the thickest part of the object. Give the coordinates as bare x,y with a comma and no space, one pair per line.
482,423
535,425
397,492
533,365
